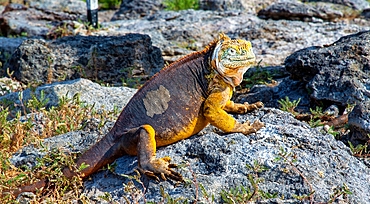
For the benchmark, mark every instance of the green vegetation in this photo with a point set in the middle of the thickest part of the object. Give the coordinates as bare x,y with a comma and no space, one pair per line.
289,106
258,76
361,150
246,194
176,5
109,4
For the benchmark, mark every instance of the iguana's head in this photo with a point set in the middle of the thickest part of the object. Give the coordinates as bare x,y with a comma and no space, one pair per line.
232,58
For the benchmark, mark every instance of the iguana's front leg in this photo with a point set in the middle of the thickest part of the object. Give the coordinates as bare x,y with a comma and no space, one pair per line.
232,107
215,113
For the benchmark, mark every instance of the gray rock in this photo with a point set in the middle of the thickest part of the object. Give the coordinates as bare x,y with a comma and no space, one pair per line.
355,4
218,161
131,9
20,20
7,47
338,72
105,59
298,11
90,94
223,5
69,6
366,13
73,142
359,121
271,94
180,33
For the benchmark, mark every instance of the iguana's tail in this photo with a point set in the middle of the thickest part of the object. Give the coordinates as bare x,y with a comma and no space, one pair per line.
29,188
103,152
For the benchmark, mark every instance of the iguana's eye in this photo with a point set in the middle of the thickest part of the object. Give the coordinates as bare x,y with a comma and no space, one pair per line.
231,51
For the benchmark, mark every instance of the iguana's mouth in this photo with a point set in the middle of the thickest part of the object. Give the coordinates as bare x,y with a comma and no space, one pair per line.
237,62
239,58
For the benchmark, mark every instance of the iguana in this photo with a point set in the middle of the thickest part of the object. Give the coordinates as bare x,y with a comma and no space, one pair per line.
174,104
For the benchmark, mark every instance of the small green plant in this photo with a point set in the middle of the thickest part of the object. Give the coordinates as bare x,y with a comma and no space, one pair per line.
176,5
60,31
336,134
107,197
315,123
340,191
109,4
259,76
289,106
243,194
135,192
360,149
35,104
317,112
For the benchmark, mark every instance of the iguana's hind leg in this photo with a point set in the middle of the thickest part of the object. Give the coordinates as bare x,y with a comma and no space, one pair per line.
136,141
146,152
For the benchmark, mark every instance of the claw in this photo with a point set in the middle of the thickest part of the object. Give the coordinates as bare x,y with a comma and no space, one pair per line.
176,176
163,177
149,174
160,168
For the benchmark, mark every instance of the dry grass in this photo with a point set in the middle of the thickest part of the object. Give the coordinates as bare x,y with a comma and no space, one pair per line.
26,129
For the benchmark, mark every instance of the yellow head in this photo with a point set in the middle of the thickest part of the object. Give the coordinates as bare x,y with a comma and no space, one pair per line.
232,58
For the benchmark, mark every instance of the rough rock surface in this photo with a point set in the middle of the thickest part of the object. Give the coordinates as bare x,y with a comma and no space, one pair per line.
8,46
131,9
218,161
355,4
69,6
359,121
8,85
343,67
18,19
340,74
179,33
283,87
90,93
298,11
108,59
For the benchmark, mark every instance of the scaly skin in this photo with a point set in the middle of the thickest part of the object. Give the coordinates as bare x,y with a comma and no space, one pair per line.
175,104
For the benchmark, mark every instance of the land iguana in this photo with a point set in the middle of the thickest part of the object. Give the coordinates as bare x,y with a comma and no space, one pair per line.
174,104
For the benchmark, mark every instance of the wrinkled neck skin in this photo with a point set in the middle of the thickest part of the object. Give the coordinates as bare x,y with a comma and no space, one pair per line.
233,79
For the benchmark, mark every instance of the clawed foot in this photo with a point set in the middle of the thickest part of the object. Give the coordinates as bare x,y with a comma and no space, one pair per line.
256,126
246,128
161,167
253,106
